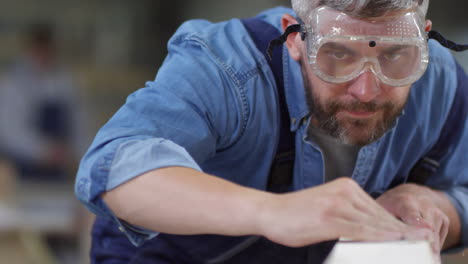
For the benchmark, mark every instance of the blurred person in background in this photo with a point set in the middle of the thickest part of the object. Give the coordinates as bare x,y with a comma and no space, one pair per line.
39,110
183,171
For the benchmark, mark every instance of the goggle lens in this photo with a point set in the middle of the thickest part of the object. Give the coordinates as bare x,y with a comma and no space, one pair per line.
341,61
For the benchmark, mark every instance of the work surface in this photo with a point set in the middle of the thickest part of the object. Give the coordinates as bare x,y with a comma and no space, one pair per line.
401,252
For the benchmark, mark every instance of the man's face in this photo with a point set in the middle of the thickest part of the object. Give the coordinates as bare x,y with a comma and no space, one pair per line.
352,67
357,112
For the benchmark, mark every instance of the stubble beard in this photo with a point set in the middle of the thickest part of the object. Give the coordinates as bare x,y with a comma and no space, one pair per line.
352,131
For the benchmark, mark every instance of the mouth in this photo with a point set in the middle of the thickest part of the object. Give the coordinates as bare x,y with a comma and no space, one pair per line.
359,114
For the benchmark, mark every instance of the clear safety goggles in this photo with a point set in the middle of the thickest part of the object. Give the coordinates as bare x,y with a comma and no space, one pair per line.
340,47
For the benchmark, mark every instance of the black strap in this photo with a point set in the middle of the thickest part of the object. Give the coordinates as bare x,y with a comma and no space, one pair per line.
281,172
278,42
298,28
445,42
450,134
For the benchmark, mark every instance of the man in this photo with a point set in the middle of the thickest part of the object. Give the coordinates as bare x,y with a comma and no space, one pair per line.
40,117
190,155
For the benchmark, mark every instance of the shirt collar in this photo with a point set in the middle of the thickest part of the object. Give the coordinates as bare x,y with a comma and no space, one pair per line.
294,90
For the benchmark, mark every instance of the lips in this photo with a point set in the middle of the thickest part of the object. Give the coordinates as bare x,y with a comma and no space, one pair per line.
359,114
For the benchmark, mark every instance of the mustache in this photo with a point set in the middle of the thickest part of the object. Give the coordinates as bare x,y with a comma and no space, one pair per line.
358,106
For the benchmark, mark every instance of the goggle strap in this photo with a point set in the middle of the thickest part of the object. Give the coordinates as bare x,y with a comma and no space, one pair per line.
298,28
283,38
445,42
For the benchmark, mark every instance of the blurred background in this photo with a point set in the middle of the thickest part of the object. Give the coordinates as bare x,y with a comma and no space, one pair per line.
65,68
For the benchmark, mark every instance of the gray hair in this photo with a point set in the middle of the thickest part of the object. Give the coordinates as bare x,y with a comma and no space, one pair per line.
359,8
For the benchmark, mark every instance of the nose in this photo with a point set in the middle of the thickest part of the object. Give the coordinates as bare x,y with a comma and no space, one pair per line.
365,88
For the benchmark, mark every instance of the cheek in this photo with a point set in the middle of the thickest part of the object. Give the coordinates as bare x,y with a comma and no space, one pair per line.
323,89
397,95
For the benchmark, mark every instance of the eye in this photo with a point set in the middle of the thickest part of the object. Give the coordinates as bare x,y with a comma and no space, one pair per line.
393,56
340,55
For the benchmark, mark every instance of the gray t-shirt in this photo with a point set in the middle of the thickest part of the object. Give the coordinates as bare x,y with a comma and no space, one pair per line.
339,158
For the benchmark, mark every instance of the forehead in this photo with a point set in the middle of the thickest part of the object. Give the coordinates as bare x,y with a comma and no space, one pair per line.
329,22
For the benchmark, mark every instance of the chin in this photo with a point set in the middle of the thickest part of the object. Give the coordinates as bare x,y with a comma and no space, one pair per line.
360,133
358,141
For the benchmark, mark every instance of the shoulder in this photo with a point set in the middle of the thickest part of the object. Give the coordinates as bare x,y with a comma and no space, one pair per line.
227,43
208,30
436,89
431,98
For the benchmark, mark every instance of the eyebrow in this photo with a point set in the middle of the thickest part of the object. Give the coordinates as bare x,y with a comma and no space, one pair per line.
396,48
337,46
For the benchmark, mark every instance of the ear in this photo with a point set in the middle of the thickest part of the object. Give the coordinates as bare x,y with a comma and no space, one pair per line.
294,40
428,25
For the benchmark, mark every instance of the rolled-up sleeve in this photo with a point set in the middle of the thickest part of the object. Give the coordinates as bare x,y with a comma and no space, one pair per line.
180,119
136,157
131,159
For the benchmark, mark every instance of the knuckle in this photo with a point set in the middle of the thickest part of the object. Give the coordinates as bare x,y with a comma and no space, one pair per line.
435,212
446,219
407,199
331,208
348,187
349,182
409,208
408,203
441,215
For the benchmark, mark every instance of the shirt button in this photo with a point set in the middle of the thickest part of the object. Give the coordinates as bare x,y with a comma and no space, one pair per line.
121,229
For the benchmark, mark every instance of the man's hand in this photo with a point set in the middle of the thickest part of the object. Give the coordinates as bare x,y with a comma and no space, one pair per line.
336,209
421,206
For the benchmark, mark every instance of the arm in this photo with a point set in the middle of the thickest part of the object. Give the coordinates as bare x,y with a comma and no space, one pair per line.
184,201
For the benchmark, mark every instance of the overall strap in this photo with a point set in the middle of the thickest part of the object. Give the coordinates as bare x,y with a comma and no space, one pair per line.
281,172
450,134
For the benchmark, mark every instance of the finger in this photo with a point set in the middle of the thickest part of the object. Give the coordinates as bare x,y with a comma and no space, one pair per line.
441,222
362,227
414,219
371,207
365,209
444,226
362,232
427,235
444,231
416,234
378,218
411,214
434,219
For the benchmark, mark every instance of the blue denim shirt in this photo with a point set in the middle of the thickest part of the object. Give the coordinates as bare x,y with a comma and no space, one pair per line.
213,107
